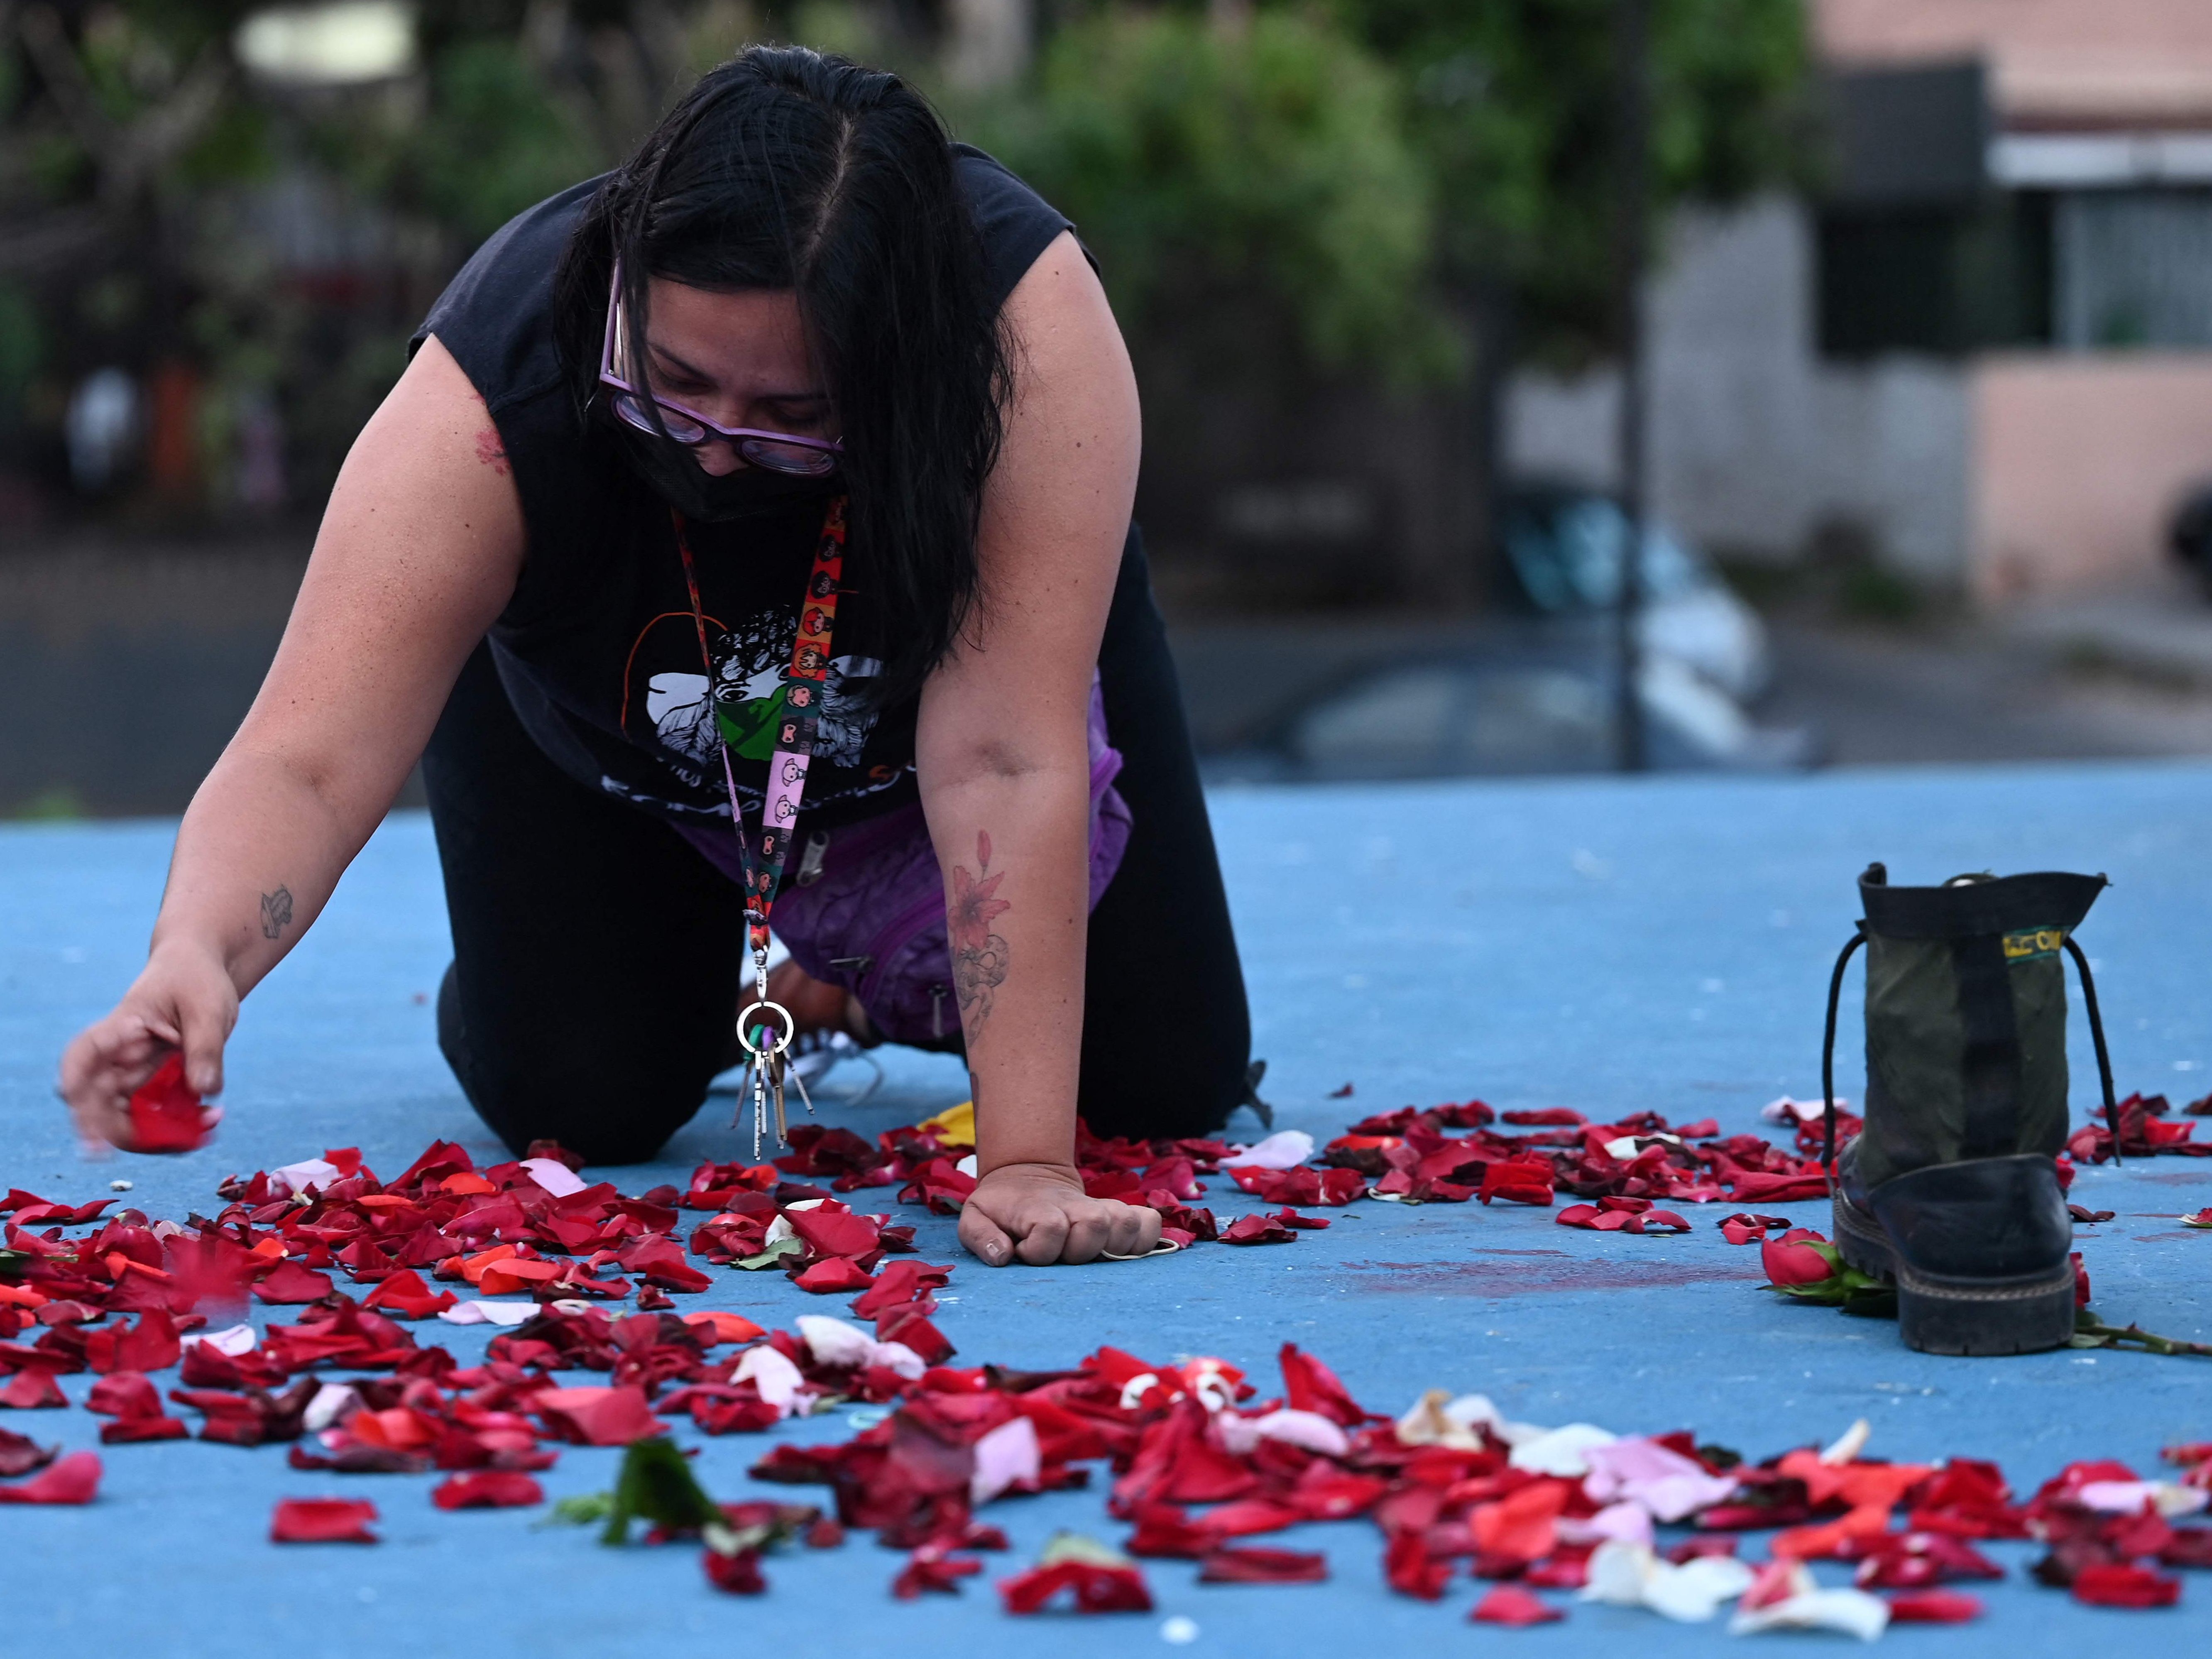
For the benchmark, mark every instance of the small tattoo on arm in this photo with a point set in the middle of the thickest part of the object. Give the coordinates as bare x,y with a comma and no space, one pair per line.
979,955
276,912
491,452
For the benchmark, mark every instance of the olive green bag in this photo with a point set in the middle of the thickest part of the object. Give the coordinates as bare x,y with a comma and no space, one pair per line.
1966,1019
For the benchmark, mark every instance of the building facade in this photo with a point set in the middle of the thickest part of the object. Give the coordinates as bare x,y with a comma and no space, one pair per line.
1983,350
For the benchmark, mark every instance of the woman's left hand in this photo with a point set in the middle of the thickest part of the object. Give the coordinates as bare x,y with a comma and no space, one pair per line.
1039,1213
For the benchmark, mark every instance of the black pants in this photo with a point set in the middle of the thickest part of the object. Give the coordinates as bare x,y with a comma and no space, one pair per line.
597,955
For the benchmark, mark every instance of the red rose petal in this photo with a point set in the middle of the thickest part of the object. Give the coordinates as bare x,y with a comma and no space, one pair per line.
2111,1585
166,1116
929,1569
74,1480
1508,1604
489,1489
1097,1589
288,1283
33,1387
1411,1571
151,1345
1262,1566
20,1454
833,1276
1310,1386
598,1417
323,1521
1256,1230
1933,1607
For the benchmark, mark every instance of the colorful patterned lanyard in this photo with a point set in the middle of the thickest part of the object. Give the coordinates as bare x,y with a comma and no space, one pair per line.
803,685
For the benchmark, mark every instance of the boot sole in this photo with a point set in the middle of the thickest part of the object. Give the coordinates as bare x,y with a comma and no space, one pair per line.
1967,1317
1860,1240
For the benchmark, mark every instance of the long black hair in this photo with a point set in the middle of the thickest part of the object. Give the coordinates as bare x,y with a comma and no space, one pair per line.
788,169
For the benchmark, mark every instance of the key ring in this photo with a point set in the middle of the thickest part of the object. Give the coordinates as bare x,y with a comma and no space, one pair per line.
745,1033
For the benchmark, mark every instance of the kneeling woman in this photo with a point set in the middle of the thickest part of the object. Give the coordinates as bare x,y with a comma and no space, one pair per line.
754,519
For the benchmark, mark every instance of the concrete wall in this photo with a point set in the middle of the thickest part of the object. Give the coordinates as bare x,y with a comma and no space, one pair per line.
1757,443
2079,461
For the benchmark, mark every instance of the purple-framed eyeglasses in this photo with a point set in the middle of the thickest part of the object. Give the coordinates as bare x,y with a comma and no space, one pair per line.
777,452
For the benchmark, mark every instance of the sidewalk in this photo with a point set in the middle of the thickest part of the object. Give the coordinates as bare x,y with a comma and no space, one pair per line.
2161,635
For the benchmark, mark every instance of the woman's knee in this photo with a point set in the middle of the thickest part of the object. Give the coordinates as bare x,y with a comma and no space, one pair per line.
606,1108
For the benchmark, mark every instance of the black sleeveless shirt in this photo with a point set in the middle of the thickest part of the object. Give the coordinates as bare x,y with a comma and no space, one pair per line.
598,649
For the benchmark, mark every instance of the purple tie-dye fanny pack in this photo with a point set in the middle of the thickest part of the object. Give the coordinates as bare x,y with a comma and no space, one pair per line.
865,907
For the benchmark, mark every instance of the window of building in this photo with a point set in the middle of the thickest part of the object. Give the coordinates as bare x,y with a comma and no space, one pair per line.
2132,268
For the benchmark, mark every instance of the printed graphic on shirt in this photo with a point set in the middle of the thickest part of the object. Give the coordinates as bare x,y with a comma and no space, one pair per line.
673,709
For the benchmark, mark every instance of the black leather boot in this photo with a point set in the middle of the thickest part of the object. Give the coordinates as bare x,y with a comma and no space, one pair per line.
1952,1188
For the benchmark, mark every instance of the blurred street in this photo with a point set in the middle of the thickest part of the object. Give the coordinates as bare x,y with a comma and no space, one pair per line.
197,621
2129,679
1984,693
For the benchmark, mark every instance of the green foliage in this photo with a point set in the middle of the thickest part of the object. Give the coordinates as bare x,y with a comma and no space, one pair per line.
656,1484
2091,1332
580,1510
58,805
1251,192
1513,103
1844,1287
494,141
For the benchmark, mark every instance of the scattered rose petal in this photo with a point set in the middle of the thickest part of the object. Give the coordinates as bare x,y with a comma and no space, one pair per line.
298,1177
288,1284
1508,1604
2116,1585
1284,1150
166,1116
1786,1596
1933,1607
231,1341
1631,1576
1262,1566
74,1480
489,1313
488,1489
1006,1457
1561,1451
323,1521
598,1417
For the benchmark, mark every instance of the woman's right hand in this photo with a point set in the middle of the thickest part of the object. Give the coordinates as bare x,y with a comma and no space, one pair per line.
184,1000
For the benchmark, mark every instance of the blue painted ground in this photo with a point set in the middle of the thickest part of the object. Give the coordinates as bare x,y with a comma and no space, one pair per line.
1606,945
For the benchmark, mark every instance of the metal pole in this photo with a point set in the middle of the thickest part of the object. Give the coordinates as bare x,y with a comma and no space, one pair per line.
1632,182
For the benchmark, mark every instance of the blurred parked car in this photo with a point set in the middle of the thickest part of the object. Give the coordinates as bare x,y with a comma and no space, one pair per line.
1562,546
1532,690
1517,703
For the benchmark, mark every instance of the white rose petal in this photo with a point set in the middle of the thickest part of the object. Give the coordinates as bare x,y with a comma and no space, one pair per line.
1561,1451
778,1380
833,1342
555,1176
488,1313
294,1178
331,1401
1004,1457
1628,1575
1284,1150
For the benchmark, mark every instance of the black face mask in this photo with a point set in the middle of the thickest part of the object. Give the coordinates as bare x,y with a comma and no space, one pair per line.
671,473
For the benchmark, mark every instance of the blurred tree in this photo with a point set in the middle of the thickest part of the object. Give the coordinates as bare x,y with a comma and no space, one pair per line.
1513,104
255,249
1249,189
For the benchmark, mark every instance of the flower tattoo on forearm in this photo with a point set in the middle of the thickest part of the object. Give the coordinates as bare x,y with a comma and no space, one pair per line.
979,955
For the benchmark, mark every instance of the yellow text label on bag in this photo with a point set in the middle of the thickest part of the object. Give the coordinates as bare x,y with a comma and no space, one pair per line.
2029,943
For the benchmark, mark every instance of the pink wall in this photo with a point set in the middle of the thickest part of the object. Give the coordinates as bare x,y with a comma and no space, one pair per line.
2079,459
